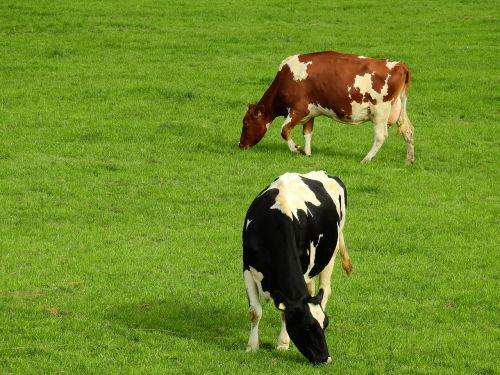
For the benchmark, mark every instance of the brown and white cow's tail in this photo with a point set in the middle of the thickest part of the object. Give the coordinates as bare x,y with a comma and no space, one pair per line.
346,261
405,126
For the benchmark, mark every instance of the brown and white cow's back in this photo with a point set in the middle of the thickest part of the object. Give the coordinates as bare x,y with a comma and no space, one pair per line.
347,88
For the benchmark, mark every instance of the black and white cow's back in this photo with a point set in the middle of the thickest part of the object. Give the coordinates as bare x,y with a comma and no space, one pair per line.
290,235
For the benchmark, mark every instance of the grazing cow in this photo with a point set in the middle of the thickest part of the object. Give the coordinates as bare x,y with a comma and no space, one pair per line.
348,88
290,235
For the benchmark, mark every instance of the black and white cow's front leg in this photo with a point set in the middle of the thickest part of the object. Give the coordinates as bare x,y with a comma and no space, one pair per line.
294,117
254,311
283,338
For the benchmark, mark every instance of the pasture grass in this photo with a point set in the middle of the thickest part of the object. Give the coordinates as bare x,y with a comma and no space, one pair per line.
122,190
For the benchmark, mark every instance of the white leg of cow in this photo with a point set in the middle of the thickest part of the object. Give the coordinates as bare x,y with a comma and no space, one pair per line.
380,132
326,275
307,132
307,144
283,338
292,119
254,311
311,286
325,280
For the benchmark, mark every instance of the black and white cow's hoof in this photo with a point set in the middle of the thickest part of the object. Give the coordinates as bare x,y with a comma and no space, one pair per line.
252,349
283,346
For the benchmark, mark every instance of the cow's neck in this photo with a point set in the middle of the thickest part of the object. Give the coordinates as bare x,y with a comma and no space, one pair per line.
272,102
290,282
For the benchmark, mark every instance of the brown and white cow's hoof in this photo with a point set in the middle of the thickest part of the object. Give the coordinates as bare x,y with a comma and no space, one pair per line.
300,150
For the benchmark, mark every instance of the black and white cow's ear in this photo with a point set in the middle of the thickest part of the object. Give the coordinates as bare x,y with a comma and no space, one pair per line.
316,300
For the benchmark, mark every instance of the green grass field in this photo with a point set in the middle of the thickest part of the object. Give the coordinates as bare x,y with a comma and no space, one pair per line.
123,191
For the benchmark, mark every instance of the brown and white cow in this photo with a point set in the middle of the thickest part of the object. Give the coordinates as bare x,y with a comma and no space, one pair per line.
348,88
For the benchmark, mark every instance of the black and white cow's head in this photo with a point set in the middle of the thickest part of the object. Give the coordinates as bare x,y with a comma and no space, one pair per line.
306,322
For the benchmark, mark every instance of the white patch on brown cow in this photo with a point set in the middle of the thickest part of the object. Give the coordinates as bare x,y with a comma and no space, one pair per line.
318,109
293,195
298,68
364,84
360,112
288,119
391,64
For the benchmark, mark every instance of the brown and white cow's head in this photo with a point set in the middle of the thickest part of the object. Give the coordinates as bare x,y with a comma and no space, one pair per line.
255,125
306,322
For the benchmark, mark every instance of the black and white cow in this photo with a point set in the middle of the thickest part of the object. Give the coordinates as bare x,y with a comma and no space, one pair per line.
290,235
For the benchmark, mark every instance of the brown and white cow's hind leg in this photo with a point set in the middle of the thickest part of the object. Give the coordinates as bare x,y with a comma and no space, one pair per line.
405,127
254,311
379,118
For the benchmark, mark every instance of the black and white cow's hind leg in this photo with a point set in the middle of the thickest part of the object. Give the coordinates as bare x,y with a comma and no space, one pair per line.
326,275
254,311
379,118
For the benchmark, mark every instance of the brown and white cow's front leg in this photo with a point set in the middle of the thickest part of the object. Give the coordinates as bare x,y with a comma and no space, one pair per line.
294,117
307,131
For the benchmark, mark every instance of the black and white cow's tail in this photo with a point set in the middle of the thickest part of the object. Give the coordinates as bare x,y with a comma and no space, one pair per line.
346,261
405,126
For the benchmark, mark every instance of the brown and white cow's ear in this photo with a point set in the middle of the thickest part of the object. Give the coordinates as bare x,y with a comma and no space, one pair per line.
259,110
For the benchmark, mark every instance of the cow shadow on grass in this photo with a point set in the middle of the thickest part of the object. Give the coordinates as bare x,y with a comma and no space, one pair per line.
282,149
183,318
226,327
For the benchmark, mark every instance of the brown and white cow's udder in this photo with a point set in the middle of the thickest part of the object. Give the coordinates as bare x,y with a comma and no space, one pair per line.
395,111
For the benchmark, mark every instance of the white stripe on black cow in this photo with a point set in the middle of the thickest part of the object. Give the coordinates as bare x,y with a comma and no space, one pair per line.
290,235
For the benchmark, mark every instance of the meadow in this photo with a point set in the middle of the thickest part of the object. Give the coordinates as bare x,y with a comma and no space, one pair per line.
123,191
